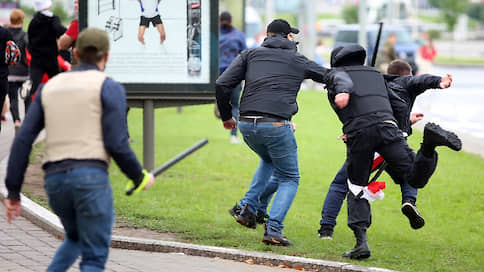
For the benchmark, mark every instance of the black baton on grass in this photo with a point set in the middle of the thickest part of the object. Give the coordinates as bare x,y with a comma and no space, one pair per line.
173,161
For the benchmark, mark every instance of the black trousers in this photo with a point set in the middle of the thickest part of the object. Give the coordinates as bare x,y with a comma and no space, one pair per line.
13,88
37,70
403,165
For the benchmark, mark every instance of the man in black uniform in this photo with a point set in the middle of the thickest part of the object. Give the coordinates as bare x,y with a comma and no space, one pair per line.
273,74
370,127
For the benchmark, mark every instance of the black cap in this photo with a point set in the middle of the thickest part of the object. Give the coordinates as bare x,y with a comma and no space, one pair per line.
281,26
225,17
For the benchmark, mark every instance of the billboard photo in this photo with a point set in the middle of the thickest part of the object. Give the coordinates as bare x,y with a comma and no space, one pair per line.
158,45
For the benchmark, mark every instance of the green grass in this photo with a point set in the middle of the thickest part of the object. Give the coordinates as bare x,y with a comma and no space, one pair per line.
454,60
193,197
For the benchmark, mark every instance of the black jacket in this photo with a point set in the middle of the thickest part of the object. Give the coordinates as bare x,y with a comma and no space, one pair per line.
273,74
5,36
21,39
43,33
408,88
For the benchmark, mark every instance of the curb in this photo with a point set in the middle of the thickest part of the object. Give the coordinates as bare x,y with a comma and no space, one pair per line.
49,222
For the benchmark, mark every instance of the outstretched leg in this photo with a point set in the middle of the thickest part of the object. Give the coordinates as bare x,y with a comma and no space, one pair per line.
161,29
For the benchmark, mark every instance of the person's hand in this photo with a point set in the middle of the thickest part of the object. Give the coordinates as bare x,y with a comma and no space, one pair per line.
293,126
150,182
341,100
230,124
446,81
343,137
12,207
415,117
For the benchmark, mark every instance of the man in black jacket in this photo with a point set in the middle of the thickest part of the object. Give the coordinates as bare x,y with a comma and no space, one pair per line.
407,88
43,32
273,74
370,127
5,36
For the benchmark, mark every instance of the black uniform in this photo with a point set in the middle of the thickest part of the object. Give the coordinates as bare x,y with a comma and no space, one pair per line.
371,127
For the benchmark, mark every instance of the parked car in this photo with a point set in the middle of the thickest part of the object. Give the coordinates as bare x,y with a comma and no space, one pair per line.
405,47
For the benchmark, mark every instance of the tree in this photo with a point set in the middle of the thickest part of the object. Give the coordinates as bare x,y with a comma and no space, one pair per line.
350,14
476,11
450,10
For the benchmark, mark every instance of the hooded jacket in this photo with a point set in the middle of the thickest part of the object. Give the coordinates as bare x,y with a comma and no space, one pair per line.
43,33
273,74
369,101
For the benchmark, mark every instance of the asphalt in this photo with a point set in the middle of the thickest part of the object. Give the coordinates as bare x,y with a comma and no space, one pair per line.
30,241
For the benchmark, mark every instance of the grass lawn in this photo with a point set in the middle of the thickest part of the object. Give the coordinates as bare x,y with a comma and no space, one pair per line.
193,197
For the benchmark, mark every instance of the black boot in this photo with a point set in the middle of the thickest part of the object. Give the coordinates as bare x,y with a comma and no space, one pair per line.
435,136
361,249
246,218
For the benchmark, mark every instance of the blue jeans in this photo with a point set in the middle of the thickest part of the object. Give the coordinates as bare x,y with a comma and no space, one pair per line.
337,194
83,200
276,146
235,101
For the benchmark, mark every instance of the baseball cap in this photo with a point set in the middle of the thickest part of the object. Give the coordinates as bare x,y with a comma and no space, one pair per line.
93,38
281,26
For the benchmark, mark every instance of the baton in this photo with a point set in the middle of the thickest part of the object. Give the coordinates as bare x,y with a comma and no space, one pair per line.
380,170
173,161
377,44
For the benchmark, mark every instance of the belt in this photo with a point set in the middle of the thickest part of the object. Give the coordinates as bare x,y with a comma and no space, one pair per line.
260,119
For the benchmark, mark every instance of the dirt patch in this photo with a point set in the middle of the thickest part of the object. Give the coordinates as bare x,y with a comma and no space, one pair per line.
33,187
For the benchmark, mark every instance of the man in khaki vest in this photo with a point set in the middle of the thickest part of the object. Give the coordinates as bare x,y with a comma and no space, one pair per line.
84,114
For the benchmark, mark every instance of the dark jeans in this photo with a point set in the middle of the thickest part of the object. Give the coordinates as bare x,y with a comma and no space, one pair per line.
83,200
37,71
339,189
406,166
13,88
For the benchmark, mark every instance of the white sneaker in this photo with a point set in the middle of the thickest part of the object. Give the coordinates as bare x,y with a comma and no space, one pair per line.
235,140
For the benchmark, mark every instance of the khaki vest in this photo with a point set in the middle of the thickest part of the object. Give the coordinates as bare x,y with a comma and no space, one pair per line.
72,113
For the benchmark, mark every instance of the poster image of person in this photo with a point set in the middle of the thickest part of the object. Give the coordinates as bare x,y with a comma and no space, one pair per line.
180,59
150,14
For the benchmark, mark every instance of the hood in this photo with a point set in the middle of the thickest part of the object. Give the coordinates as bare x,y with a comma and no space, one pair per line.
348,55
278,41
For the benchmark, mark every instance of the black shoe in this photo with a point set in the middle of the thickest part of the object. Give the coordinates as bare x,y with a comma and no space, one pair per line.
261,218
325,233
276,240
235,211
246,218
410,211
361,249
434,135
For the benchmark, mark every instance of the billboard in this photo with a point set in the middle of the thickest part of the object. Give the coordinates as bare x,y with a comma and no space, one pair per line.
158,47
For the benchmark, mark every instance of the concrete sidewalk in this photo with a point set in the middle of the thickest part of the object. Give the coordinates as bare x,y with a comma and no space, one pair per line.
29,243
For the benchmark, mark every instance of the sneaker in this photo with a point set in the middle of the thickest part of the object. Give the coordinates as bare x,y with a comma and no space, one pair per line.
411,212
325,233
276,240
235,211
437,136
246,218
260,218
235,140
